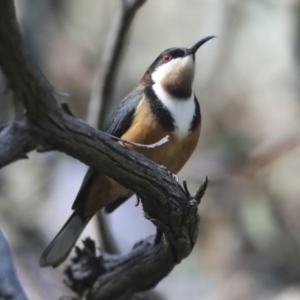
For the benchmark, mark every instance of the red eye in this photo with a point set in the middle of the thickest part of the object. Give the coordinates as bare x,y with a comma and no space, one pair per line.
167,57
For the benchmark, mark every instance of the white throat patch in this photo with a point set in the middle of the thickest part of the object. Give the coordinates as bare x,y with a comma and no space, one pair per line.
182,110
177,63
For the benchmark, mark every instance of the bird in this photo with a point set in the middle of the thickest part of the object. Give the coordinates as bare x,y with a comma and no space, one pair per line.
163,103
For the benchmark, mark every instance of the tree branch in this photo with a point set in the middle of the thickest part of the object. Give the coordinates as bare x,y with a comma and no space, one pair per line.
10,287
118,277
16,140
164,201
108,65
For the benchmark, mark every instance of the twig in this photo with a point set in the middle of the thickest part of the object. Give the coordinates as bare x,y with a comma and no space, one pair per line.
185,188
107,240
199,193
104,80
10,287
201,190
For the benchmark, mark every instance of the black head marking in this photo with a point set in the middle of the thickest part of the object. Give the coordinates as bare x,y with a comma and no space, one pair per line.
174,52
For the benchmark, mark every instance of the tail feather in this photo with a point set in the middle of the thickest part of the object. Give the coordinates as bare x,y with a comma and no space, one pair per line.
61,246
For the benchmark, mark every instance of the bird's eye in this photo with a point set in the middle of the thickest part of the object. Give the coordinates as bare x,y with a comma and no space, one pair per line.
167,57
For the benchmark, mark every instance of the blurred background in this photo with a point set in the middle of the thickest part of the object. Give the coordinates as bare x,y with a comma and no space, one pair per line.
247,82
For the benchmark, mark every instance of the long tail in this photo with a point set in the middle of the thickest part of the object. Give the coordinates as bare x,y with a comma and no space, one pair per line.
61,246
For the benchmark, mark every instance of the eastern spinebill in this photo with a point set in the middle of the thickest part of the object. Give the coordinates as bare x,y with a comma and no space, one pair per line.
162,104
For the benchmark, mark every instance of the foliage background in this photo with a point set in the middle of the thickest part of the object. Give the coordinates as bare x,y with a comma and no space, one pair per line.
247,82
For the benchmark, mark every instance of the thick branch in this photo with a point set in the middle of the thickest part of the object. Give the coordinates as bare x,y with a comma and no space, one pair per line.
154,184
108,66
118,277
164,201
134,268
16,140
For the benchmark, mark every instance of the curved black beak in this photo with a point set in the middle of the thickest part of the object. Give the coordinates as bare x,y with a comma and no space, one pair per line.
195,47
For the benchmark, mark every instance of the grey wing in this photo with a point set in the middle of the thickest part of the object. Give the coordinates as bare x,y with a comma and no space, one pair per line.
118,124
122,117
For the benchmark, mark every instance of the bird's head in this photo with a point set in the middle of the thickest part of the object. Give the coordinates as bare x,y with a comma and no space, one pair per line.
174,70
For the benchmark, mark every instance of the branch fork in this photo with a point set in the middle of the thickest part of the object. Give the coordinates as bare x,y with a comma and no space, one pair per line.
48,125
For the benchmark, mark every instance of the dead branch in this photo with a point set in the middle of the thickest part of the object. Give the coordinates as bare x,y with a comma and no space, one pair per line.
10,287
157,258
16,140
47,124
107,68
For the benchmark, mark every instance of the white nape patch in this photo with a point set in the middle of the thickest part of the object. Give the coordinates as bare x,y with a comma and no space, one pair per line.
182,110
164,70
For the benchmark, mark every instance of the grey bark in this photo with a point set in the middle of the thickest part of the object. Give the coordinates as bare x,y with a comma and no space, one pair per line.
48,125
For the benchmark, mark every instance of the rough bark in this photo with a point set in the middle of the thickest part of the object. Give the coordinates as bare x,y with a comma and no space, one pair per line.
48,125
